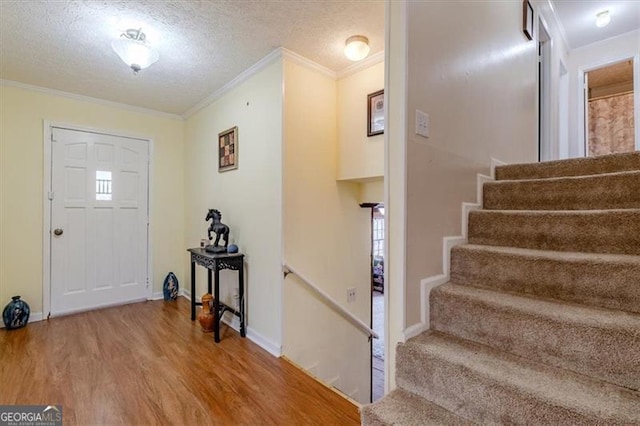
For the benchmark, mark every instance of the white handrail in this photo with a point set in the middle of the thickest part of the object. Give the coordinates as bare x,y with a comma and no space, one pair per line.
331,302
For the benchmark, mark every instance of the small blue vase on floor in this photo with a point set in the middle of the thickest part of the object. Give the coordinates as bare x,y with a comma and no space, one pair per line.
16,313
170,287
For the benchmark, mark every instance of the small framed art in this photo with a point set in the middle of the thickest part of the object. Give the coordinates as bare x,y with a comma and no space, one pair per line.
228,149
375,113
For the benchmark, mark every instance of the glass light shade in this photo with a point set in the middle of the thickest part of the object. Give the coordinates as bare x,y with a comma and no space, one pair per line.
135,53
603,19
356,48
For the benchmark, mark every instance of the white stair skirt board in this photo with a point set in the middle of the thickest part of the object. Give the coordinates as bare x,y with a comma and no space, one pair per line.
429,283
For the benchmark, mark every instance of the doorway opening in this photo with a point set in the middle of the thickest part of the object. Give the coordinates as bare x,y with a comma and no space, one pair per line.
377,301
544,93
376,271
609,109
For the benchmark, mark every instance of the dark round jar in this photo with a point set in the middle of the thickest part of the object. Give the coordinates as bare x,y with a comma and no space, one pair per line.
16,313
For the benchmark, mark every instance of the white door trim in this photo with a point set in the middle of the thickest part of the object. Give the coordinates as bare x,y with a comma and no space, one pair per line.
46,203
582,142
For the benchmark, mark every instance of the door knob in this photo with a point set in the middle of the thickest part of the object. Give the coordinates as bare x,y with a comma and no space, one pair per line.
58,231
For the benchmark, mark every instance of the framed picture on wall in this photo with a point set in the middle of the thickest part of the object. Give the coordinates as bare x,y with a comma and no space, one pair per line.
375,113
228,149
527,19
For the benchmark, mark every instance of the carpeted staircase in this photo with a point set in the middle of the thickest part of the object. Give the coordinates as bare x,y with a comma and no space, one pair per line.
540,322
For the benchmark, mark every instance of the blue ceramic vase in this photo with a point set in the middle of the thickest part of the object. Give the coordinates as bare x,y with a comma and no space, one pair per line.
16,313
170,287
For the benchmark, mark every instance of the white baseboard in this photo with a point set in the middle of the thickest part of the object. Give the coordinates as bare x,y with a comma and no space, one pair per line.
159,295
429,283
33,317
234,322
266,344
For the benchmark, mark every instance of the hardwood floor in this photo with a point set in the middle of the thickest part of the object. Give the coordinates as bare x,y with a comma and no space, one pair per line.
147,363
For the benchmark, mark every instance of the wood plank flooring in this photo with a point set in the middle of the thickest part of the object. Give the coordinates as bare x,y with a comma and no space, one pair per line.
148,364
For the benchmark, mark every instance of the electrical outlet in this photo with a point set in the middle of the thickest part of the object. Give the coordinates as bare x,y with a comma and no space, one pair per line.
422,123
351,295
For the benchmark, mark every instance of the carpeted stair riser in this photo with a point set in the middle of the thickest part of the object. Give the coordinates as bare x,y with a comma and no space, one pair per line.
596,231
607,191
574,167
574,337
492,387
404,408
603,280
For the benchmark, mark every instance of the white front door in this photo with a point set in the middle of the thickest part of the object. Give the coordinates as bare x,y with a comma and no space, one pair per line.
99,220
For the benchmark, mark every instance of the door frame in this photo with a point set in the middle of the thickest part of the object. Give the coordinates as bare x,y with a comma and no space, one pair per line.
582,140
47,136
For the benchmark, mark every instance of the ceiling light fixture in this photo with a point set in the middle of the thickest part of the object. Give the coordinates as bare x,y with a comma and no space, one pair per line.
356,47
134,51
603,18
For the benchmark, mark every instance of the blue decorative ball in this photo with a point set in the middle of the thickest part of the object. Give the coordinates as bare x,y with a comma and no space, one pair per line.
232,248
16,313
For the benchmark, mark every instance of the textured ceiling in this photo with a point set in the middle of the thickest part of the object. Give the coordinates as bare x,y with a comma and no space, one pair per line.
66,45
578,19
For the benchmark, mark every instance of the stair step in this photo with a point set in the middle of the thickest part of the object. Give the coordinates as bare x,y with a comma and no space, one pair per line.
404,408
595,192
592,231
597,342
604,280
487,386
574,167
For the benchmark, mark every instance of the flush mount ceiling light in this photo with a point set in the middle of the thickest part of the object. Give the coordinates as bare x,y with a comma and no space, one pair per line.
356,47
603,18
134,50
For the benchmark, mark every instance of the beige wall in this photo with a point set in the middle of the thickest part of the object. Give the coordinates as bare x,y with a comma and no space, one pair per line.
372,191
326,238
21,184
249,197
477,82
359,156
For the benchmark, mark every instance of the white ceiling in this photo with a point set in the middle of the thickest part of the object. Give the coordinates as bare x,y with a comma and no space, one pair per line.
578,19
66,45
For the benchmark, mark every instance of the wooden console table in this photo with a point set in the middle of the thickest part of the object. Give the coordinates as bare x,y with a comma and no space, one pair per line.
215,262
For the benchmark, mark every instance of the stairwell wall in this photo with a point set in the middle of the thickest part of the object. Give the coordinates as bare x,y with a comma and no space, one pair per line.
477,82
326,238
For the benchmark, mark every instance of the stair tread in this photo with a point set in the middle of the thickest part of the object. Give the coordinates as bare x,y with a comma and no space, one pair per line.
575,178
571,167
569,256
595,279
591,316
602,191
403,408
556,386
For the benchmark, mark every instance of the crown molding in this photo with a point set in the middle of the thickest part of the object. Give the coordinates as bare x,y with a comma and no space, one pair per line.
372,60
559,25
89,99
241,78
279,53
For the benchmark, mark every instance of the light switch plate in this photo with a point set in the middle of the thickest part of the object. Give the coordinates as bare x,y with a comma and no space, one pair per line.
422,123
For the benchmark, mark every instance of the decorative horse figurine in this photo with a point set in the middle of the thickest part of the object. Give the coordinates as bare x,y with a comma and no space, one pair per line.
220,229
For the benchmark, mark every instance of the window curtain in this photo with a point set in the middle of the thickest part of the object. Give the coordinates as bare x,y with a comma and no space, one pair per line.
611,125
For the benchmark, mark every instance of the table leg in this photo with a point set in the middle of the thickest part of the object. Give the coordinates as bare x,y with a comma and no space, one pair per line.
209,281
243,331
193,290
216,305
